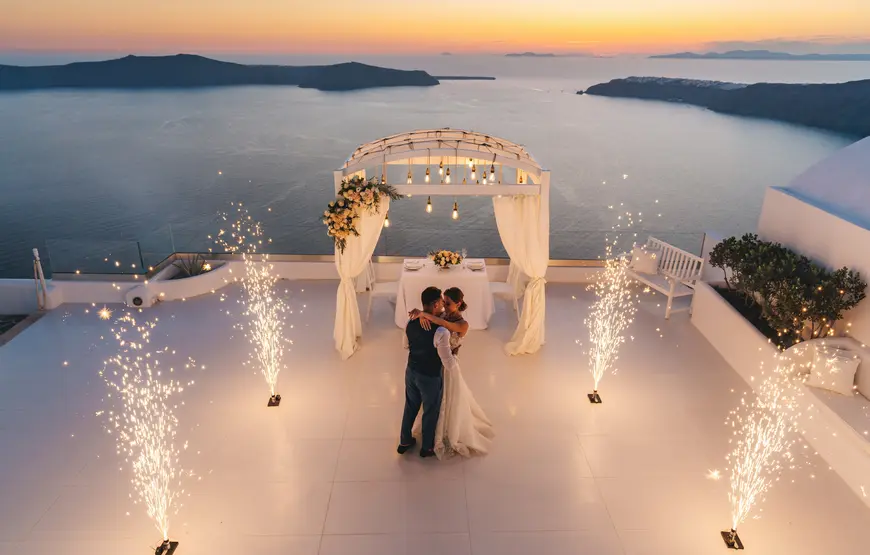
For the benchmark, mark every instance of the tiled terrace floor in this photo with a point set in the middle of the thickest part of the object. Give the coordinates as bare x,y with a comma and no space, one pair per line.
319,474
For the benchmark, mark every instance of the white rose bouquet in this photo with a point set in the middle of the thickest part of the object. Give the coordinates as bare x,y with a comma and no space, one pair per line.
445,259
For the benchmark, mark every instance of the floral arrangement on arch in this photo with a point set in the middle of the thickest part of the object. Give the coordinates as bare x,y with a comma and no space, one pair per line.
356,194
444,259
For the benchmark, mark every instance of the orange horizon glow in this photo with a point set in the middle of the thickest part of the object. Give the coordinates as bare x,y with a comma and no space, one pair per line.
396,27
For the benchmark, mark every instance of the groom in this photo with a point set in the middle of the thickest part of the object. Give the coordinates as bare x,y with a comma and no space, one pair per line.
428,353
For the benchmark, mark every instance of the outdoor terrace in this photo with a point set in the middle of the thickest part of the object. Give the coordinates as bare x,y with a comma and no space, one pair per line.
320,475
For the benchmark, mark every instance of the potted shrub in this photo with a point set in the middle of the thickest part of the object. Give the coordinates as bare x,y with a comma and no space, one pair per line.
785,295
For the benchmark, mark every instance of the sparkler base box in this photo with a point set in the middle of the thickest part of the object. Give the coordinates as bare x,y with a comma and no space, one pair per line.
594,398
166,548
732,540
274,401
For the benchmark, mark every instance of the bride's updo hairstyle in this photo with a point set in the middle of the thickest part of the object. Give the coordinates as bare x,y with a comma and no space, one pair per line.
455,295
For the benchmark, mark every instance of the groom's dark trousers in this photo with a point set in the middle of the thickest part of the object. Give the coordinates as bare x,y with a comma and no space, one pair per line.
423,384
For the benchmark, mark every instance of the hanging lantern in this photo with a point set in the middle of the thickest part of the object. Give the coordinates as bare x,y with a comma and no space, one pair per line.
427,175
455,210
429,205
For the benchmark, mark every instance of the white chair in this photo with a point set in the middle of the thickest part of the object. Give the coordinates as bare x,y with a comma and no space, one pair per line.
509,290
386,289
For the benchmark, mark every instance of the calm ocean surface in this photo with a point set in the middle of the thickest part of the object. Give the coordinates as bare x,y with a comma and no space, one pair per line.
90,174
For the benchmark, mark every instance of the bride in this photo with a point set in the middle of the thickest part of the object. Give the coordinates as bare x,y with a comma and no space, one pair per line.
463,429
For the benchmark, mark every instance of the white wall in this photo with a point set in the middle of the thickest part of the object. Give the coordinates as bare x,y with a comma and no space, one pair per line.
823,237
17,296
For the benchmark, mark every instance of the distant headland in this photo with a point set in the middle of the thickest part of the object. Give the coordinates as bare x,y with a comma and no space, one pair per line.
189,71
843,108
765,55
530,55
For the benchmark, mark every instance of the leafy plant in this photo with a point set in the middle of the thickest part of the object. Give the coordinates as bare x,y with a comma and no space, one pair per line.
792,292
190,265
835,293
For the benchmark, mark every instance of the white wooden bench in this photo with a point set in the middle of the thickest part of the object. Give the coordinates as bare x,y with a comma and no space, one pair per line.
676,273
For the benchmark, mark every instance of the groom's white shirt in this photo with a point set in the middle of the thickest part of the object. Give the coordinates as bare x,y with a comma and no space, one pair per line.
442,345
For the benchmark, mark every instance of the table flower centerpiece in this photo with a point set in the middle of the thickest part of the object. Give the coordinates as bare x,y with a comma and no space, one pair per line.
445,259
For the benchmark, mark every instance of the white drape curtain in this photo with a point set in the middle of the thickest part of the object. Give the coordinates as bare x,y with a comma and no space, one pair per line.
350,264
524,226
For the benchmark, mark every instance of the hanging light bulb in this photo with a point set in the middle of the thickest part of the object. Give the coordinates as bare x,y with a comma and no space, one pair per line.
521,179
464,182
470,162
448,175
410,177
383,179
492,172
387,220
441,168
484,176
429,205
427,175
455,210
473,172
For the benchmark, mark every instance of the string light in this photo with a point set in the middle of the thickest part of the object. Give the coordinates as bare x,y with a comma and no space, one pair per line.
387,220
410,175
455,210
448,175
429,205
428,163
441,168
263,306
473,172
764,432
143,420
484,176
427,175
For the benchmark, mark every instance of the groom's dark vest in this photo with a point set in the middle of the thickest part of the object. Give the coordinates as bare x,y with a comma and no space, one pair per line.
422,356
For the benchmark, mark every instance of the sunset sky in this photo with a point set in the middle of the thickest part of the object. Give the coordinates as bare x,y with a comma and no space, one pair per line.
413,26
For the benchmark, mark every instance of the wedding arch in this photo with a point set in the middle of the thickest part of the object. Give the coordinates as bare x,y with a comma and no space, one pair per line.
505,171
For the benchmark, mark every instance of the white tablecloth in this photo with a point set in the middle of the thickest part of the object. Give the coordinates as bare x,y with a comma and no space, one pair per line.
474,285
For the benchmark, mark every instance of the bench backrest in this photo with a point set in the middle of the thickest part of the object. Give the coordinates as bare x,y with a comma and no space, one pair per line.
683,265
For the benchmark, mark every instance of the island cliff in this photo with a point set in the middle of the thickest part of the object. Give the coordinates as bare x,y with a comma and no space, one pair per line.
187,71
843,108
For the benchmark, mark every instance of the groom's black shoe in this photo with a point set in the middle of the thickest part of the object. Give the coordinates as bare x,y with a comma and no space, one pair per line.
405,448
425,453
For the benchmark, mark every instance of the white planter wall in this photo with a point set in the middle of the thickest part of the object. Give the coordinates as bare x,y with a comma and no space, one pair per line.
746,349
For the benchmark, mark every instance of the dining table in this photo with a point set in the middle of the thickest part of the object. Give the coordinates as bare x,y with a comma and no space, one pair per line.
471,277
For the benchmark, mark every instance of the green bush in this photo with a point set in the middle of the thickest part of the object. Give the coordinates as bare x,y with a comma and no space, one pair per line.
796,296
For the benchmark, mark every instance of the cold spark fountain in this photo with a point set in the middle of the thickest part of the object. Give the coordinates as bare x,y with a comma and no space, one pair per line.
764,432
263,306
611,314
143,420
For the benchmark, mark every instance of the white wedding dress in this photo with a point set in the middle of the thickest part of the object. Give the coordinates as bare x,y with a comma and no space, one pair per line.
463,429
